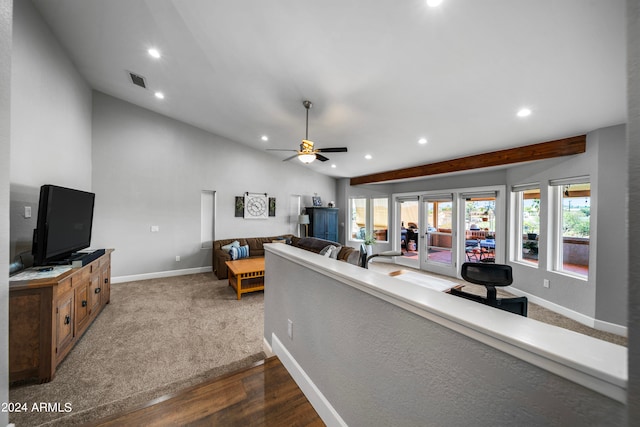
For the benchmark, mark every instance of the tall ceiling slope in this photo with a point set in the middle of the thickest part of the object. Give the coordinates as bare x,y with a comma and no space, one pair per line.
381,75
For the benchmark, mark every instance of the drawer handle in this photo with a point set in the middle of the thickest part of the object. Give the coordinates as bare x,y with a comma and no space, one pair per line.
106,281
98,290
67,319
84,302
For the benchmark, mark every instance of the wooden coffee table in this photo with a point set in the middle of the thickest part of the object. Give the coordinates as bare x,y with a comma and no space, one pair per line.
246,275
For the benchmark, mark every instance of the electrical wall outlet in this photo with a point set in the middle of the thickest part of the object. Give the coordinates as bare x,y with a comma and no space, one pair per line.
290,328
177,257
27,211
155,228
545,283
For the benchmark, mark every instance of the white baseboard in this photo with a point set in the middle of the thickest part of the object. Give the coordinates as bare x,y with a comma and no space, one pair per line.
613,328
322,406
160,274
266,347
573,315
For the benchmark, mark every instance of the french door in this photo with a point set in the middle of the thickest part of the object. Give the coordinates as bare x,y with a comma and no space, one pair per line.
408,222
438,242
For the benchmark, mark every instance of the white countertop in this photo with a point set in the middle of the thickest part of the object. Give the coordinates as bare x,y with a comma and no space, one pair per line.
593,363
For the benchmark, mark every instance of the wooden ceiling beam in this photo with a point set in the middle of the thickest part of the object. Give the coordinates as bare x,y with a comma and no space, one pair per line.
527,153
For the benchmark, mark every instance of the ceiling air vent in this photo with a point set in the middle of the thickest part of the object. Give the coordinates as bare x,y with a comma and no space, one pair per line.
137,80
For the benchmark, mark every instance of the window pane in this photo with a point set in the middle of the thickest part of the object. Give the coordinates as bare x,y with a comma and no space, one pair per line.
358,218
575,231
381,218
530,224
480,228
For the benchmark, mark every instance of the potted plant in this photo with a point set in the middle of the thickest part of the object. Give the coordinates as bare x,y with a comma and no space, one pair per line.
530,247
369,240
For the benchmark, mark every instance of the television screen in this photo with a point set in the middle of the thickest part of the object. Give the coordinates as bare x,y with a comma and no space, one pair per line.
65,218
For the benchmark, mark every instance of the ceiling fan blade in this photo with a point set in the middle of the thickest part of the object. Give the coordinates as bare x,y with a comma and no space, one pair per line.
280,149
289,158
321,157
333,150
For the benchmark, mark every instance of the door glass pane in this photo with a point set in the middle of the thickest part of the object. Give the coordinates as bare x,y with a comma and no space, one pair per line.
409,228
358,227
439,230
575,220
529,207
381,219
480,228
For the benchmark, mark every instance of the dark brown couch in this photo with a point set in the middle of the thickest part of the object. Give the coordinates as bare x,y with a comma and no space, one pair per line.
256,249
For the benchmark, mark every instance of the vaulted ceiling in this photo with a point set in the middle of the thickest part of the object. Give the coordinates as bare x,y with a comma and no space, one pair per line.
381,74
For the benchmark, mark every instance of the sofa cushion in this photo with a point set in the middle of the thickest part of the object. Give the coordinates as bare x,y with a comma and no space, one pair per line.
331,251
239,252
228,247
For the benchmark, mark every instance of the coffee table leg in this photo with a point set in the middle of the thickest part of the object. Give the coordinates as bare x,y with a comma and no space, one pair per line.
239,286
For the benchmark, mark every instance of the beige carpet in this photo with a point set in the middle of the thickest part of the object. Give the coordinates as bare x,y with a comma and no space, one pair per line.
155,337
535,311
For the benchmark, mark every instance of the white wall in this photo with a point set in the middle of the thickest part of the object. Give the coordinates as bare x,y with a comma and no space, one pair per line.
5,102
149,170
50,121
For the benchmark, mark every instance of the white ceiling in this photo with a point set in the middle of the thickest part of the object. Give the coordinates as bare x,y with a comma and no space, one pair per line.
381,74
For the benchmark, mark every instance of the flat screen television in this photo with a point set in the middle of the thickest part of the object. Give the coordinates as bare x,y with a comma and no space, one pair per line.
65,218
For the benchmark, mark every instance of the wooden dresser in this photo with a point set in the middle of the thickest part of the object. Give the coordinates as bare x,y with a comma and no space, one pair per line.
47,317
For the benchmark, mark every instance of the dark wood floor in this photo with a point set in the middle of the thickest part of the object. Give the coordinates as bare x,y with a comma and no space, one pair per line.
263,395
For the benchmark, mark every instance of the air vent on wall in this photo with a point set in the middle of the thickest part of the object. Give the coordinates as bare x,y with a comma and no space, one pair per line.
137,80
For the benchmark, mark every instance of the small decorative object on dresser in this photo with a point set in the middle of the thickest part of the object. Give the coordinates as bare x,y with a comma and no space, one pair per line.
317,201
331,204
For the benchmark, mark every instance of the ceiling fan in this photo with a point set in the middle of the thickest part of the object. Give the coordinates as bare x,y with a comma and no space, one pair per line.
307,153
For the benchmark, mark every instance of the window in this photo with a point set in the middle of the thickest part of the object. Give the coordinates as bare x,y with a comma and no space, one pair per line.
380,218
369,217
528,217
358,215
573,226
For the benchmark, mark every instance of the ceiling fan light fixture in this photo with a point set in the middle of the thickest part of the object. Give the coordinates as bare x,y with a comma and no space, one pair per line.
307,158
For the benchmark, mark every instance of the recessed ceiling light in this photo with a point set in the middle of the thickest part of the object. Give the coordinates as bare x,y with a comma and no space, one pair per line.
264,138
159,95
155,53
368,157
422,141
333,166
524,112
434,3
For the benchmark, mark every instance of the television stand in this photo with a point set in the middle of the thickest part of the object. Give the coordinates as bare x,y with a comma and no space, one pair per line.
47,317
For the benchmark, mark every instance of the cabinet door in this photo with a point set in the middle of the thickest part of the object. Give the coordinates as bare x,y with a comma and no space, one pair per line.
82,306
319,224
64,322
95,289
105,278
331,224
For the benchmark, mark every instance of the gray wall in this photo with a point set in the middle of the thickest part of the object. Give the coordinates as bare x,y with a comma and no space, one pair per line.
5,120
603,296
50,121
612,217
633,135
149,170
379,364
